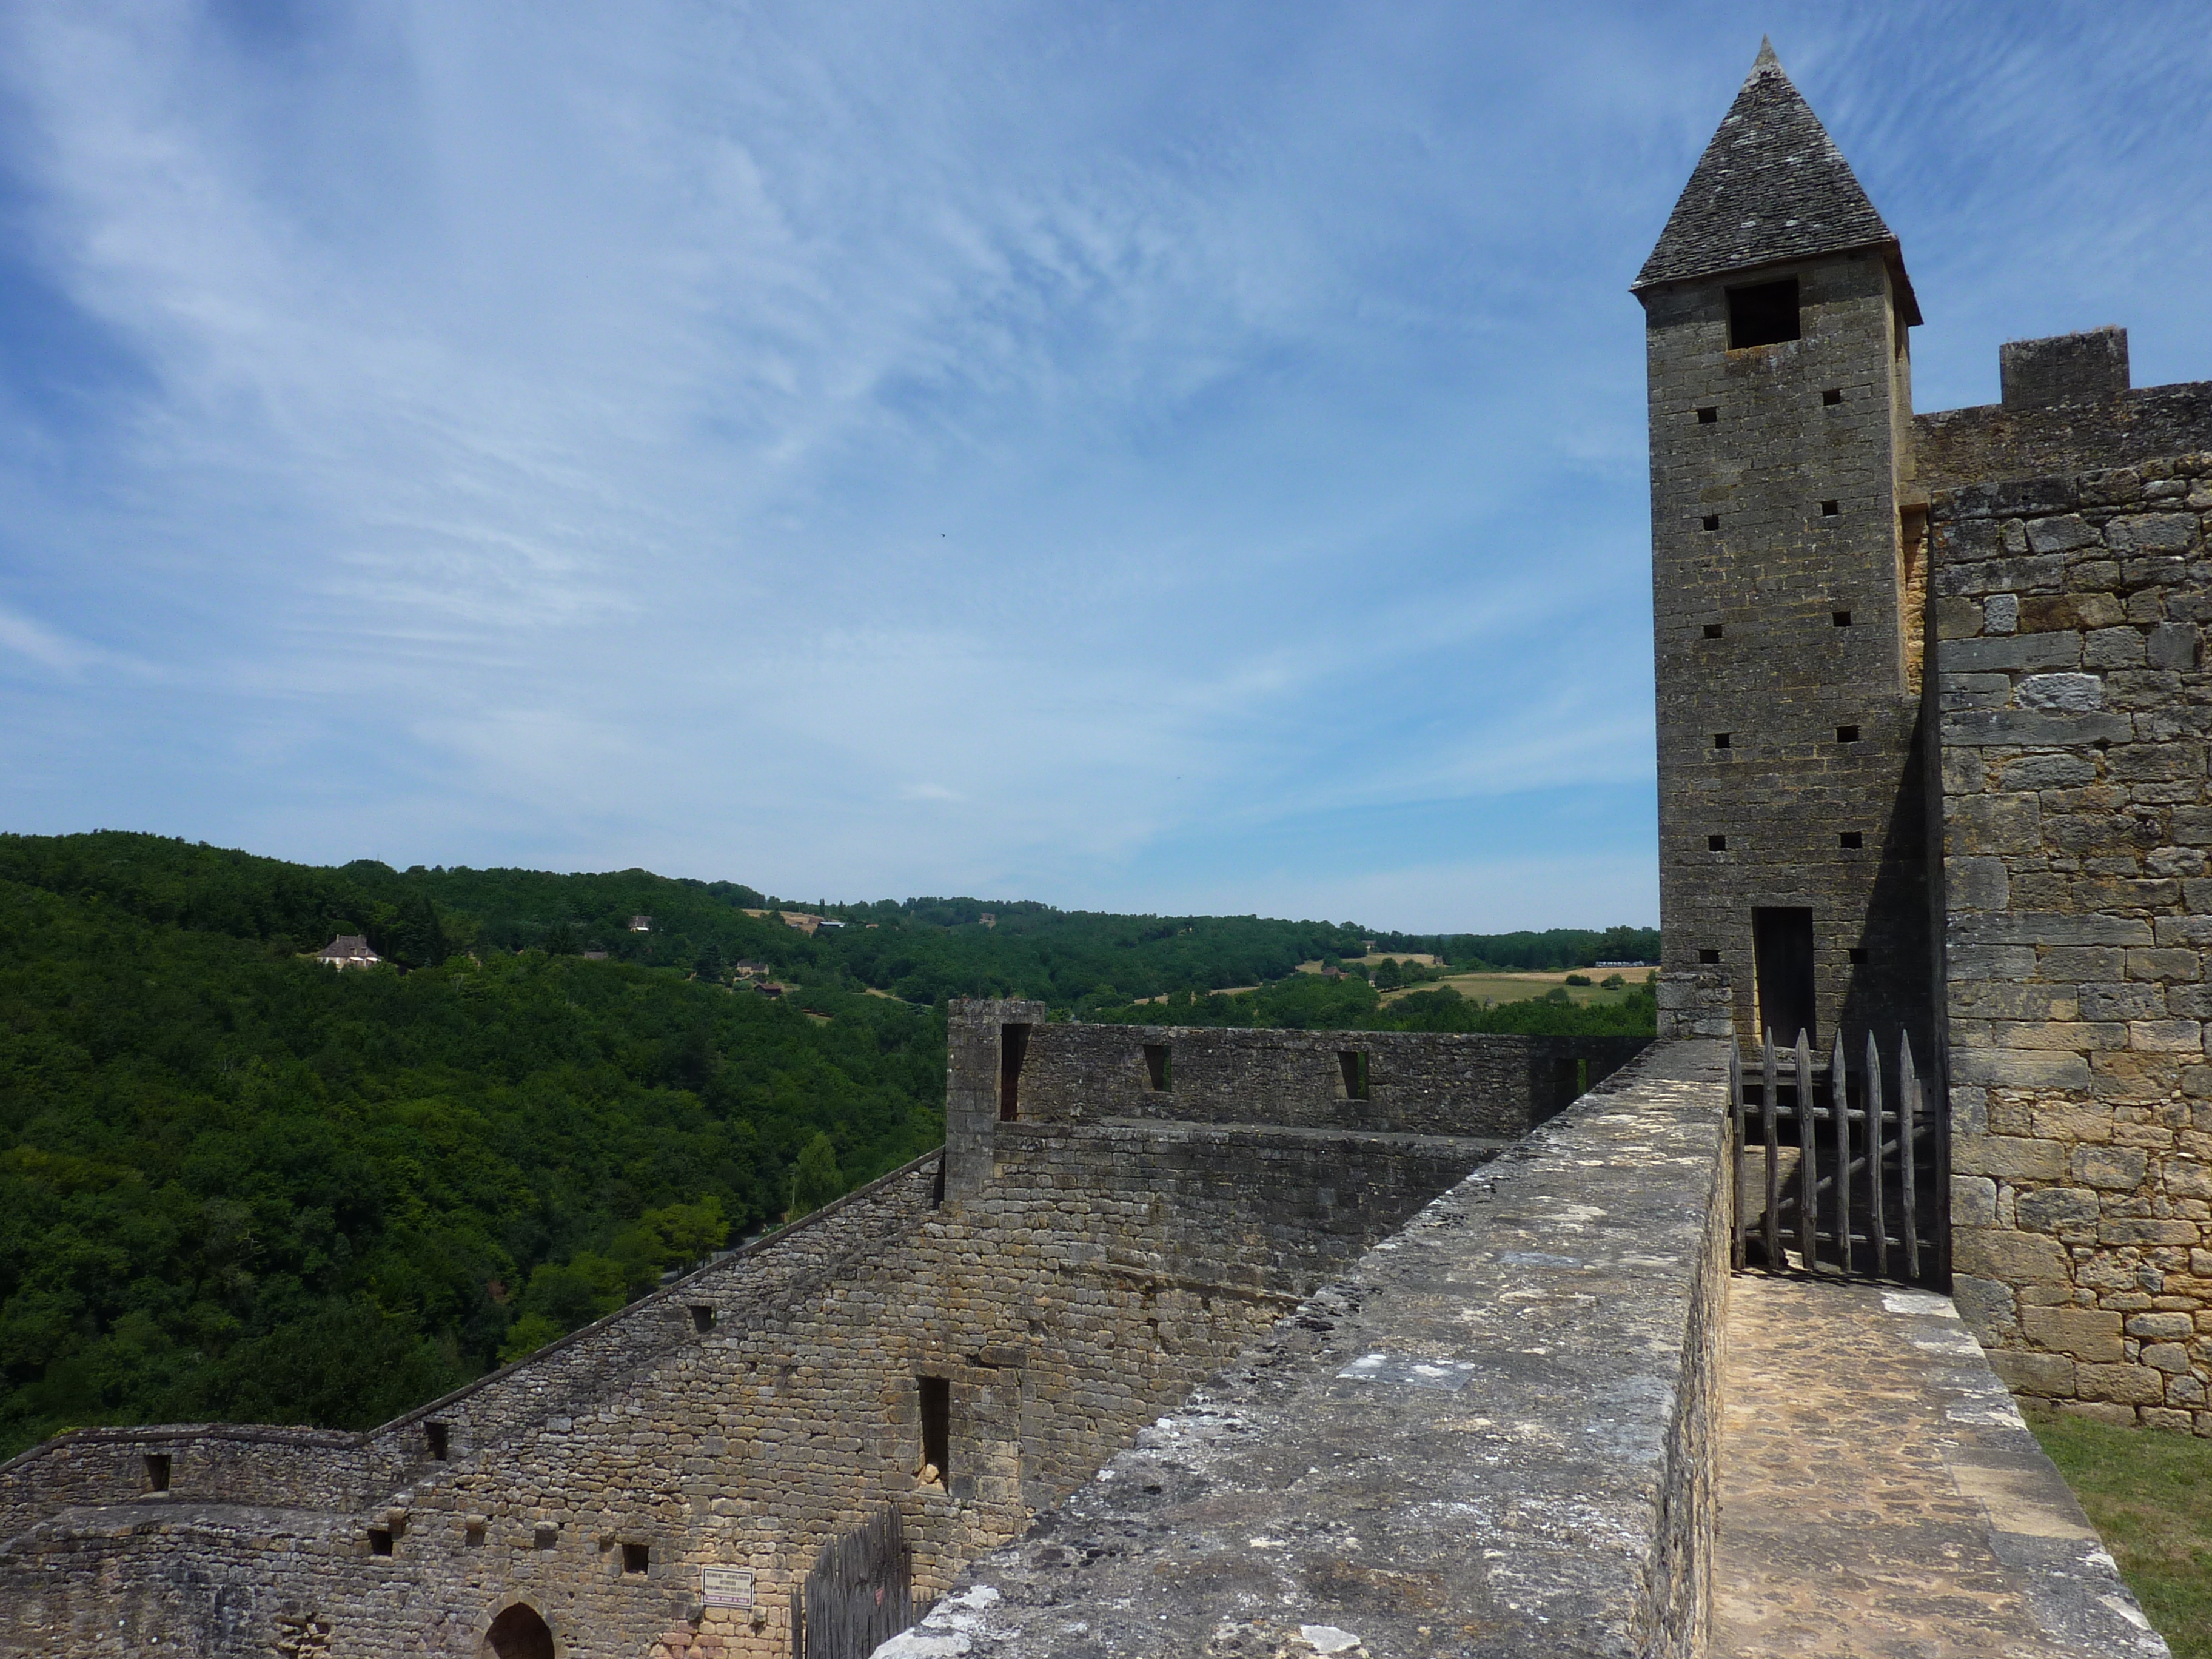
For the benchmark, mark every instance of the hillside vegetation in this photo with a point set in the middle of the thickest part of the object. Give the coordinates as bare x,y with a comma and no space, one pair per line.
234,1184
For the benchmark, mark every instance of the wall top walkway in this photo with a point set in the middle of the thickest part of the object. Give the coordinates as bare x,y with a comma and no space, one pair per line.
1496,1436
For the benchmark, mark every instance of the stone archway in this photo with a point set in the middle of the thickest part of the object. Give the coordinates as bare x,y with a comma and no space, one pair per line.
518,1633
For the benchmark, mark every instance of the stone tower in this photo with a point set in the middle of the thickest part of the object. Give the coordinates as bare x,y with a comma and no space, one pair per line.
1788,583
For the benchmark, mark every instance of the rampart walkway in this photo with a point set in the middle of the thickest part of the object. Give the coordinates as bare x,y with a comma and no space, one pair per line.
1881,1497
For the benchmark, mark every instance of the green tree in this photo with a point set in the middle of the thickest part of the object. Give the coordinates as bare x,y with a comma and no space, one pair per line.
814,1179
415,937
560,940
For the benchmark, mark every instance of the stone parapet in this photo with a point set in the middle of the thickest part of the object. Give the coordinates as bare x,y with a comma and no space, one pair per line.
1497,1434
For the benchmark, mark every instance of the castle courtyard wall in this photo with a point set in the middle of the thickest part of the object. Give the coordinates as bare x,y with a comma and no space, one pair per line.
2077,879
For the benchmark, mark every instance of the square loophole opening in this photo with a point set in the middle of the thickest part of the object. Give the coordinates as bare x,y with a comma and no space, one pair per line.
1847,734
1858,956
1708,417
1708,958
1840,618
1829,509
637,1558
157,1471
1833,396
1716,843
703,1317
438,1438
380,1540
1852,840
545,1537
472,1535
1712,630
1710,521
1721,739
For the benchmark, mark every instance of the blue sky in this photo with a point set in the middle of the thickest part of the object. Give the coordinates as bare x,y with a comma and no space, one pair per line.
1160,457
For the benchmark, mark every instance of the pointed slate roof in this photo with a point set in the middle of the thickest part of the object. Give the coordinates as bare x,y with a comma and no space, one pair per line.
1771,186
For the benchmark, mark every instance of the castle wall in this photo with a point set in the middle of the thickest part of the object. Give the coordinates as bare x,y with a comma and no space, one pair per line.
2077,868
1498,1434
1101,1266
1787,705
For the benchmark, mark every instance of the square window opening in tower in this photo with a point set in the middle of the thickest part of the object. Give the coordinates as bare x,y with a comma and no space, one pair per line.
1763,313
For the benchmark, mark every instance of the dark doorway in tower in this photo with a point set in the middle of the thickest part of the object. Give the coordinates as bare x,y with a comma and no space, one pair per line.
518,1633
1782,952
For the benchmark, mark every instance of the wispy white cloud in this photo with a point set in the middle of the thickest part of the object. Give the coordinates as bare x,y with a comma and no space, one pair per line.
863,450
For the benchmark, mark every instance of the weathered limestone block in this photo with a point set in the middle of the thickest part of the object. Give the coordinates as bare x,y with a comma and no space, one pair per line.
2009,1257
2089,1335
2066,1211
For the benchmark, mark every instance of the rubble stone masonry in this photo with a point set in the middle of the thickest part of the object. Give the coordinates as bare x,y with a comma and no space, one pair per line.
2077,877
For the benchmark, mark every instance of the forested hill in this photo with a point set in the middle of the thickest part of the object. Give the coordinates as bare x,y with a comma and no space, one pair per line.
236,1184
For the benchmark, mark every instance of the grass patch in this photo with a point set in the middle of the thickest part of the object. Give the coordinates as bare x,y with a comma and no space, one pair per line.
2149,1493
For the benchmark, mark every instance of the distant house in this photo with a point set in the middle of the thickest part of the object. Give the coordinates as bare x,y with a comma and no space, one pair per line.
768,988
800,919
347,951
753,970
989,918
641,924
828,922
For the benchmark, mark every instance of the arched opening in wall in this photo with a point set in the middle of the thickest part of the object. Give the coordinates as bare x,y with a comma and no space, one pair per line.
517,1633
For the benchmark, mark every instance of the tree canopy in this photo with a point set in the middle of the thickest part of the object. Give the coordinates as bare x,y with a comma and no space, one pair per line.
235,1183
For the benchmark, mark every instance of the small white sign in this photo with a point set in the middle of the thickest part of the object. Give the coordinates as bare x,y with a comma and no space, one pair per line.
726,1587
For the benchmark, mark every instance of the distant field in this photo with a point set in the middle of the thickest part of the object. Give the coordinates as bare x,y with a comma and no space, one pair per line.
1509,987
1519,987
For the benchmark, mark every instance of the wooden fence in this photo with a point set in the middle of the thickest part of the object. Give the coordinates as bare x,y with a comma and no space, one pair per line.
1846,1171
860,1595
